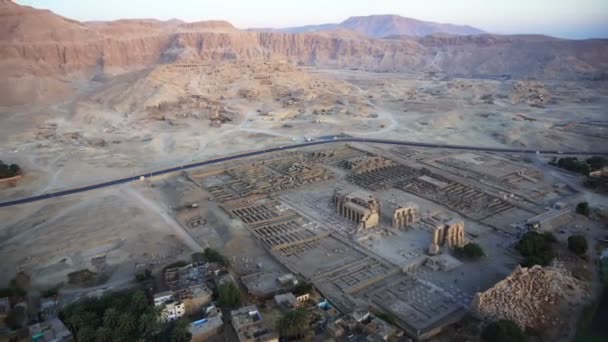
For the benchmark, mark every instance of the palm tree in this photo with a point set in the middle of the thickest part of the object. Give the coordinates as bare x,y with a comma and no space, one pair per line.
74,322
127,324
148,323
180,331
86,334
139,301
104,334
110,318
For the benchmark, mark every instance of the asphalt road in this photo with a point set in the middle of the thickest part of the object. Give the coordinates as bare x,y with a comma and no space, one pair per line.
283,148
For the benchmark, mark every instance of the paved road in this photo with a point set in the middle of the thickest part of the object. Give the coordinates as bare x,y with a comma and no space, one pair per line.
290,147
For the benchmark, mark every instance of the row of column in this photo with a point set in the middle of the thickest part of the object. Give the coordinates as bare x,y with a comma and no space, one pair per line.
403,218
348,213
453,236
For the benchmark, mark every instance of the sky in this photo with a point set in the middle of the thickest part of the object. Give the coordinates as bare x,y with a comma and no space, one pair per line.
560,18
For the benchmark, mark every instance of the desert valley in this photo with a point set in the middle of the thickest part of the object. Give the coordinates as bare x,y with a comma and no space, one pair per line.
83,103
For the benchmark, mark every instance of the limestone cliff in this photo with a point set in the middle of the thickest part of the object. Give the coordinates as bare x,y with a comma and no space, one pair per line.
37,46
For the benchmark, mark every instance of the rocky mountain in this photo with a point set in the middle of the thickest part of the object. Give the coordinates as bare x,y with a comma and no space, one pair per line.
40,52
379,26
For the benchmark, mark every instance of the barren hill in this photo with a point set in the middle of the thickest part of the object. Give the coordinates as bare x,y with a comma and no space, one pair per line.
379,26
38,49
389,25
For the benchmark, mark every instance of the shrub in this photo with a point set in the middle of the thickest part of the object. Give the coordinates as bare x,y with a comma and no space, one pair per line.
583,209
229,295
293,324
8,171
143,276
470,251
503,331
577,244
302,288
536,248
212,255
597,162
574,165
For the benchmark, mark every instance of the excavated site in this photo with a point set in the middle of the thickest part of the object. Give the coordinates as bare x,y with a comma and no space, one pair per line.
377,227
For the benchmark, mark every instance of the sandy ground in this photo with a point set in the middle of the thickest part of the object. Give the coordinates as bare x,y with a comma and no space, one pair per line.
147,120
106,231
162,117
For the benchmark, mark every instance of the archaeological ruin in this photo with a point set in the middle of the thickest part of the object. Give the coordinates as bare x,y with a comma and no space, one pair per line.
312,212
405,215
359,207
450,234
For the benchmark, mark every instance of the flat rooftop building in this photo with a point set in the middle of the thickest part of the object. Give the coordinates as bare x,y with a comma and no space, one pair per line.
204,328
50,331
249,325
549,220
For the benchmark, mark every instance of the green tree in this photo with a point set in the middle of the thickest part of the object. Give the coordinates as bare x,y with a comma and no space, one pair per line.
127,324
470,251
143,275
583,209
111,317
577,244
597,162
139,301
229,295
180,332
293,324
536,248
104,334
302,288
503,331
149,323
574,165
74,322
212,255
14,169
86,334
116,316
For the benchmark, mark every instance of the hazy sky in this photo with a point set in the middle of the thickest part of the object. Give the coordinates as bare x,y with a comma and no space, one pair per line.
561,18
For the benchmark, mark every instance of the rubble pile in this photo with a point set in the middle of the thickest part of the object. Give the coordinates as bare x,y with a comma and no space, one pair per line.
530,297
532,93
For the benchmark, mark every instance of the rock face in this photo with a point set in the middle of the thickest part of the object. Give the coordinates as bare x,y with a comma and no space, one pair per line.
39,49
531,297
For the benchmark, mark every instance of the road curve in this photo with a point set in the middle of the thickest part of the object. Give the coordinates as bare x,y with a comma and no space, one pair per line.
289,147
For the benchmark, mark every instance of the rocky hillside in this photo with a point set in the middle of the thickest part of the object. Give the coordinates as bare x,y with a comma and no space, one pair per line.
390,25
379,26
38,48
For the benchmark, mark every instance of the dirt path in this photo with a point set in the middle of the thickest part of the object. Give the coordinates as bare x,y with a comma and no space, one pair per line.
180,232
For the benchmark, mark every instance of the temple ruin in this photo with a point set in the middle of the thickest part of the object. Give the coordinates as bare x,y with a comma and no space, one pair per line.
405,215
359,206
450,234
